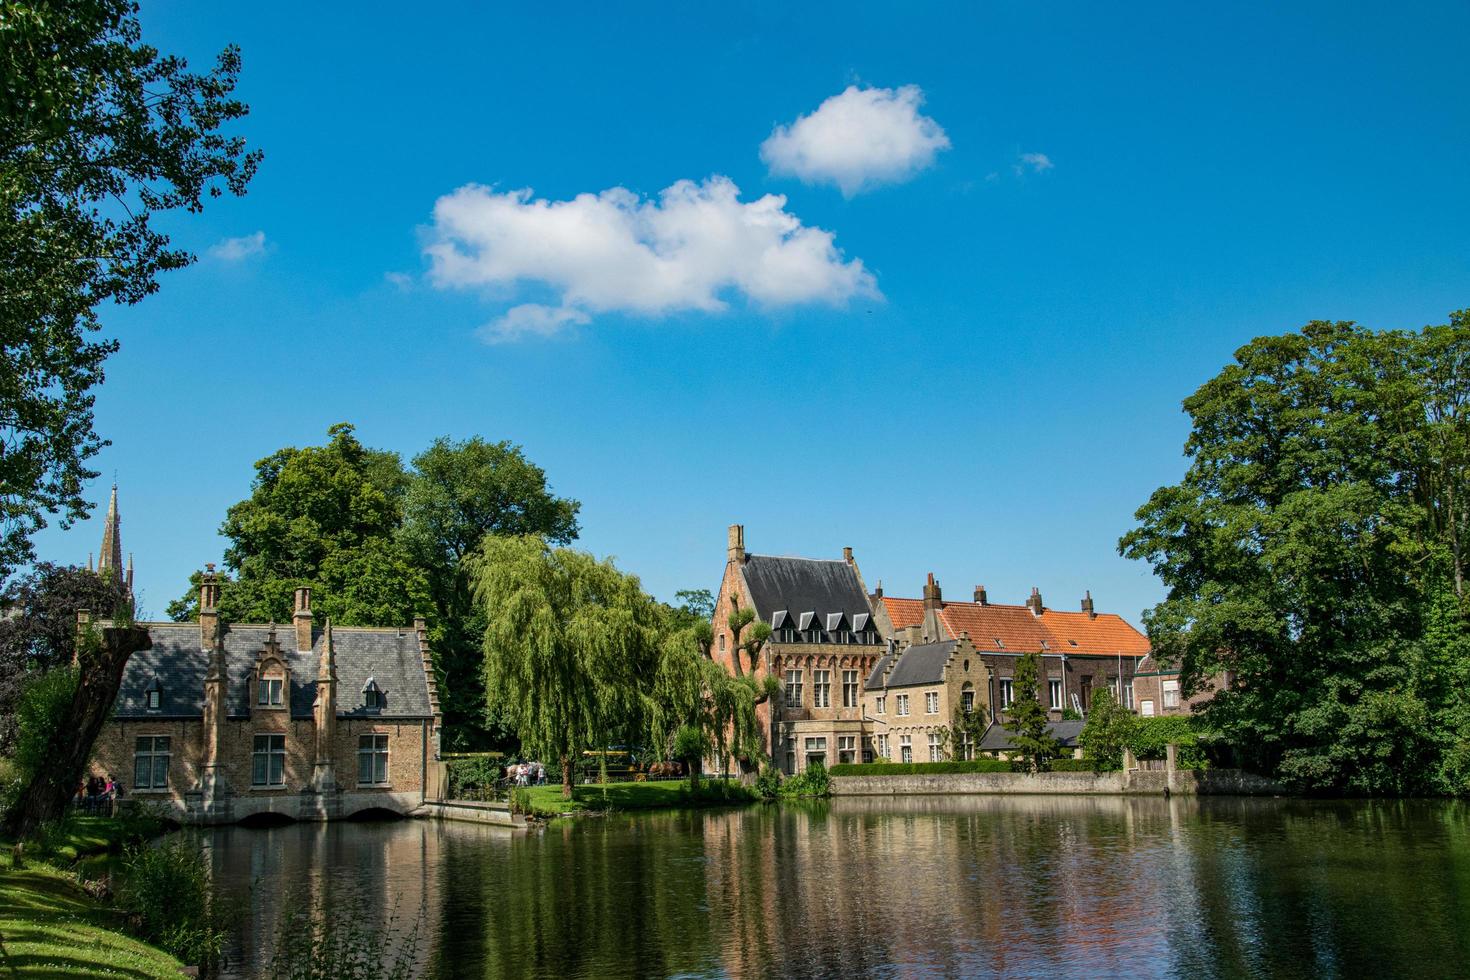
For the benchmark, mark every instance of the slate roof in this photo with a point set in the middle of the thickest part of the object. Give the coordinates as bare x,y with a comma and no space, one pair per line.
804,585
920,664
875,679
391,657
1019,631
997,739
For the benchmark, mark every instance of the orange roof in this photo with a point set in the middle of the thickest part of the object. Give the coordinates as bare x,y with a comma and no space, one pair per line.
1021,632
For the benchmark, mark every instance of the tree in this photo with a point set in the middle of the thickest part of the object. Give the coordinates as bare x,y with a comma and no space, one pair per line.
1026,722
1105,735
1314,555
41,634
693,606
567,643
98,134
460,492
327,517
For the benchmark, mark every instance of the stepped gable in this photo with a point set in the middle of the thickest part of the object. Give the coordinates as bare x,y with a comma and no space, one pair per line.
391,657
921,664
802,585
1020,631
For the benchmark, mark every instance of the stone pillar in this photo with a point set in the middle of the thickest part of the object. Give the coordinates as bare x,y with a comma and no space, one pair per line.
208,610
1171,764
324,714
210,798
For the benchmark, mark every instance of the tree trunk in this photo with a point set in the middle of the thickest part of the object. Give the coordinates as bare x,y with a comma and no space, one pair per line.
46,796
566,777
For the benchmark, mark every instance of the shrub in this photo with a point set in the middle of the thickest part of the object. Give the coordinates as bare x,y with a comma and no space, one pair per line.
167,889
768,783
44,701
717,791
1109,726
520,800
472,774
813,782
1149,737
1084,765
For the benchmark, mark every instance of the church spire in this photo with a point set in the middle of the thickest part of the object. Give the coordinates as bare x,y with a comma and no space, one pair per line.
111,558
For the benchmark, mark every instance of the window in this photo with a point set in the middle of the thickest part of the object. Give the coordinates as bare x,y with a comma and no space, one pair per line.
793,688
1171,694
1128,695
722,642
150,762
814,636
967,699
788,635
816,750
1054,688
846,747
843,636
1113,687
905,748
372,695
821,689
902,704
155,699
936,752
931,702
849,689
998,644
1007,693
883,746
268,762
1146,708
372,760
967,746
791,763
269,692
880,704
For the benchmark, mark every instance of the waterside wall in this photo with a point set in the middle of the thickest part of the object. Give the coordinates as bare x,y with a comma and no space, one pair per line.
1207,782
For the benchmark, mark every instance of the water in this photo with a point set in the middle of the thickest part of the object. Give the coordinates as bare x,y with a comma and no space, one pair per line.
974,886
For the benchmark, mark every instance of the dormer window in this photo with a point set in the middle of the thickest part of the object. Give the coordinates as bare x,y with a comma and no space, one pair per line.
372,696
269,692
153,696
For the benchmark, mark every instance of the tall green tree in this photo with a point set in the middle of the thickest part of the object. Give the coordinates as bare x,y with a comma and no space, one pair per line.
1105,735
1314,555
459,492
1026,719
327,517
568,643
99,134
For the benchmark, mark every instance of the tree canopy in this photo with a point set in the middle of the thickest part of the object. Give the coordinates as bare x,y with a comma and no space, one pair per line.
1314,555
1026,720
99,133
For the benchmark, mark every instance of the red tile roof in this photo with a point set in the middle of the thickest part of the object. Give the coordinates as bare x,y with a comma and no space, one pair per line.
1021,632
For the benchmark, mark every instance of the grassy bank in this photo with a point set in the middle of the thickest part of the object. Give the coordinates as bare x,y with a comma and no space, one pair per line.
546,801
50,927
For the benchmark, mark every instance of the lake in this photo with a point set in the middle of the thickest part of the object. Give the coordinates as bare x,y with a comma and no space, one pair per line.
917,887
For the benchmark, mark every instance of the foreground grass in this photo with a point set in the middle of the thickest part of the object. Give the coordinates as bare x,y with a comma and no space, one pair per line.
546,801
49,927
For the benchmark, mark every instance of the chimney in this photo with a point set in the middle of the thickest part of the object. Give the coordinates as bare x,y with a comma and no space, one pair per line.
980,595
208,609
1087,605
933,598
878,592
1034,603
847,555
302,618
736,549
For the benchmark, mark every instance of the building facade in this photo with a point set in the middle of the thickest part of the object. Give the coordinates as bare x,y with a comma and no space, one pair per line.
915,696
1081,652
824,643
220,722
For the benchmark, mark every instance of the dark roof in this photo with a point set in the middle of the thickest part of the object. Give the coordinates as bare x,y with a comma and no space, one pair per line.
804,585
177,662
922,663
875,679
997,739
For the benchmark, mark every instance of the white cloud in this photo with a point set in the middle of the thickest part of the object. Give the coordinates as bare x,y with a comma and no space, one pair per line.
1038,162
694,247
238,249
531,320
402,280
858,139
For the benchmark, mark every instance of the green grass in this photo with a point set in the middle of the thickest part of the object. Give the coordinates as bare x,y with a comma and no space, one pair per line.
546,801
51,928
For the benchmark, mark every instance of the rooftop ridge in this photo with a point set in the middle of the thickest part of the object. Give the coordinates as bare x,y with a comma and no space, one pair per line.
194,624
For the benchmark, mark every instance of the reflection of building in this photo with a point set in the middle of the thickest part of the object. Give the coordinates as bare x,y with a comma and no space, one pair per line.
221,721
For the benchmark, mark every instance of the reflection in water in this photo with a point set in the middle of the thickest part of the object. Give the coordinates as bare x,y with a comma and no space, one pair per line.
928,886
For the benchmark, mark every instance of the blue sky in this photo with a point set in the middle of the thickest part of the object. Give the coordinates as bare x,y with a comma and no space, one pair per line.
989,396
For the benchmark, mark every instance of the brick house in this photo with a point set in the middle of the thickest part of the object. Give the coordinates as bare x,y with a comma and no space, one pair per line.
913,694
219,722
1081,652
824,643
1157,690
